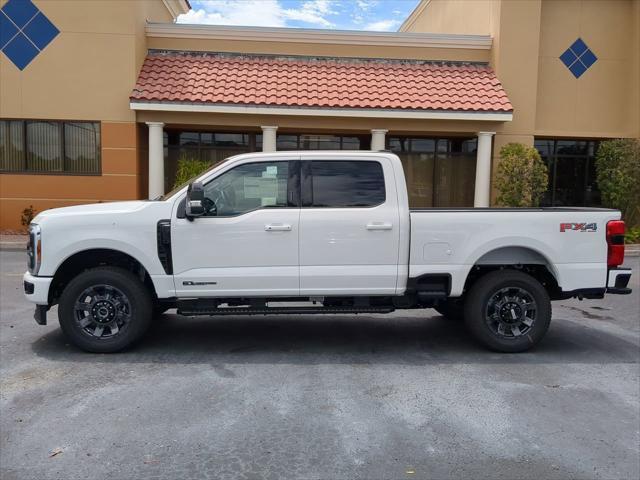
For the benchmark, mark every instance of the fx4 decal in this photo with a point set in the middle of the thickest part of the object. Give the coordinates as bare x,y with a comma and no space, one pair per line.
578,227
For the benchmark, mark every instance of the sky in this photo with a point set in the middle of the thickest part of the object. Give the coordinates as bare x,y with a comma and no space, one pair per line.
378,15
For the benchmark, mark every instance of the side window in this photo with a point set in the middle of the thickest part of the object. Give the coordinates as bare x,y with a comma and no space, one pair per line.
347,184
247,187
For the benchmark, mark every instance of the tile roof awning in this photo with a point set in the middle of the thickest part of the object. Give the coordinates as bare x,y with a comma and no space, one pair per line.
208,82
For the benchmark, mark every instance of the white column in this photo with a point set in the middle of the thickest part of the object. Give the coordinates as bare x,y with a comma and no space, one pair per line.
378,139
268,138
483,170
156,159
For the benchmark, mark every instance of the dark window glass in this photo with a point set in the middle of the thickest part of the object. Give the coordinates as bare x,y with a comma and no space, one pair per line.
572,173
439,172
12,155
82,147
287,142
206,138
347,184
189,138
41,146
427,145
350,143
248,187
44,147
231,140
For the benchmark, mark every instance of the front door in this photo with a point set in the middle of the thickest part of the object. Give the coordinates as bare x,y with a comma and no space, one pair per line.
349,227
247,242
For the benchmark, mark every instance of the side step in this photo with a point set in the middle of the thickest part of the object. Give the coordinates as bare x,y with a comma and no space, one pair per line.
189,309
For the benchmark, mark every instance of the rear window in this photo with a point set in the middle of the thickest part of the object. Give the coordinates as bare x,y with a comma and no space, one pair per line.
347,184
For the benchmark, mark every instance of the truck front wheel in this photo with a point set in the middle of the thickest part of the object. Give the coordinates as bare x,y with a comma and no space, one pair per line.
105,309
508,311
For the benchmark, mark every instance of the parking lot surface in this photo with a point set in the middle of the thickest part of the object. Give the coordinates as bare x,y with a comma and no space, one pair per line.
407,395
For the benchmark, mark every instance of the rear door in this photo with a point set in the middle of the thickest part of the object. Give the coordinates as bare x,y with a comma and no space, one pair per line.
349,226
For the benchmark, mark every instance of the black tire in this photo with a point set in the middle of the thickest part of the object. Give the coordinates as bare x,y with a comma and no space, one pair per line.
159,308
101,300
508,311
452,309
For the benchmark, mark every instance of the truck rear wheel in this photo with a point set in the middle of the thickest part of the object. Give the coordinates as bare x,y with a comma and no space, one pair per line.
105,310
508,311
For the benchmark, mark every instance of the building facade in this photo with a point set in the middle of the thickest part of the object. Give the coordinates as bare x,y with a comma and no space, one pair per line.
104,100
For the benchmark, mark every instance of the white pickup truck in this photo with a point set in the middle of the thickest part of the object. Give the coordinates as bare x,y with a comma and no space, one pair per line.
315,232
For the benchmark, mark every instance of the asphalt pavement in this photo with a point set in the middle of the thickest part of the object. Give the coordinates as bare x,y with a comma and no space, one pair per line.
406,395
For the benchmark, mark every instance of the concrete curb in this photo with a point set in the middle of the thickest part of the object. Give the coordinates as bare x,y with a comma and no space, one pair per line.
13,246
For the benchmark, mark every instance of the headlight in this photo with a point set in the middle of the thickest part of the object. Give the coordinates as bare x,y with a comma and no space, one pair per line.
34,249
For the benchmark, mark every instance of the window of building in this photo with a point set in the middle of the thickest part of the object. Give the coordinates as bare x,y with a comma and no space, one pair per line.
288,141
248,187
43,146
347,184
440,172
572,172
209,147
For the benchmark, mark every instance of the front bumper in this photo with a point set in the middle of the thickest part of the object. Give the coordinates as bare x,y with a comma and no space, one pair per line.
36,289
617,281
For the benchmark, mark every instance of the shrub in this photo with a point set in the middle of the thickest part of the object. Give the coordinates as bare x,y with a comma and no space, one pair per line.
28,214
188,168
522,177
618,175
632,235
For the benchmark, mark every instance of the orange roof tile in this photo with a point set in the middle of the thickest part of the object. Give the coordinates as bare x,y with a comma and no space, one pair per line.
318,82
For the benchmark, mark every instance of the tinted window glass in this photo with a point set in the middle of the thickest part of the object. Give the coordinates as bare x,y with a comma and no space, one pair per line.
248,187
347,184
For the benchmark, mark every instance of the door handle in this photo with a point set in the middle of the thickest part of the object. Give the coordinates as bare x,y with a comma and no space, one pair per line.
277,227
379,226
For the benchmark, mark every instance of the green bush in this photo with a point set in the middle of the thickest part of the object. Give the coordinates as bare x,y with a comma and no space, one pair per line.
632,235
522,177
188,168
618,174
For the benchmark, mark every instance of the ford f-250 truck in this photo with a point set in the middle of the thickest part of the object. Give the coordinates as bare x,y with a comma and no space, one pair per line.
315,232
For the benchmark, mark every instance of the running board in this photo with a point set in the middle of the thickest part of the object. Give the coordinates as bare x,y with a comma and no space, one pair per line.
193,310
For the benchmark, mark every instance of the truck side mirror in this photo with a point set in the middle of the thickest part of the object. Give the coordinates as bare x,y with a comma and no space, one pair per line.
194,205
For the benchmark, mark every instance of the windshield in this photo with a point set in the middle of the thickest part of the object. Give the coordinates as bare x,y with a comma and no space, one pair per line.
184,184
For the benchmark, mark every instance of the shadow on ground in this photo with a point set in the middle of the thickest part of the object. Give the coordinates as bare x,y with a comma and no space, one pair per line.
341,340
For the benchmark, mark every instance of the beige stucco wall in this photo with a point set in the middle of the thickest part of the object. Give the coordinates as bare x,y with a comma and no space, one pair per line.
603,102
87,72
467,17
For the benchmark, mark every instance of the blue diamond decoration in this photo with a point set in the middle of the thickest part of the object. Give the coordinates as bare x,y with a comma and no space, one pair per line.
588,58
568,57
577,69
20,11
24,31
20,51
578,47
7,30
41,31
578,58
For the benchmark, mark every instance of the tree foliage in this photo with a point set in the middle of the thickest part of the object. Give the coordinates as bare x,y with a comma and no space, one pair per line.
522,177
618,174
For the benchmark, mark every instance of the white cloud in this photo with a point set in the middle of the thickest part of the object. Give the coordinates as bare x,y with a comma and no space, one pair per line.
383,25
260,13
312,12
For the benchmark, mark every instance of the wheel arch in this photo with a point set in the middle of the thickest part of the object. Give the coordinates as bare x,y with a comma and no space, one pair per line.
526,258
83,260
